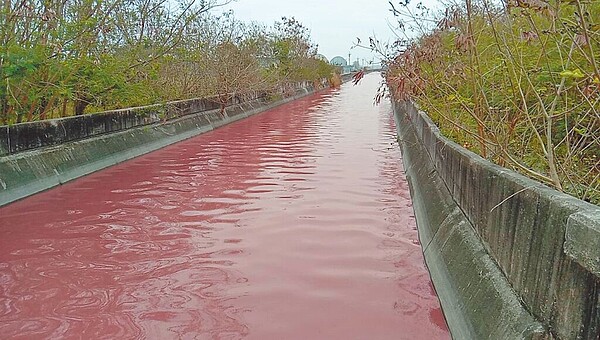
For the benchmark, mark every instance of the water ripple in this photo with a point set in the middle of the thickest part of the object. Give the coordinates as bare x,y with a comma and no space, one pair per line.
296,223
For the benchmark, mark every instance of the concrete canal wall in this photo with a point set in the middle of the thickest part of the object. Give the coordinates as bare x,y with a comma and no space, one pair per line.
510,257
40,155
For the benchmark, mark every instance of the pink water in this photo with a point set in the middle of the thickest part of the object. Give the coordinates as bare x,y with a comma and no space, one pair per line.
293,224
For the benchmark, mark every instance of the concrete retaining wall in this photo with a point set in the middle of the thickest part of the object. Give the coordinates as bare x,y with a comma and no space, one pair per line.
33,135
56,154
510,257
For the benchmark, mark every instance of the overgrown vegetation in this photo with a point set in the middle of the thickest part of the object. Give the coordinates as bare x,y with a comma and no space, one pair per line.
70,57
517,81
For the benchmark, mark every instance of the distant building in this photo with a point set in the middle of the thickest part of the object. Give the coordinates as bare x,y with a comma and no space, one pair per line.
341,62
372,66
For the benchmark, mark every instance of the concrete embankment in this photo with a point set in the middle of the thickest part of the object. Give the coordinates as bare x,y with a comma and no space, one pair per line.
510,258
40,155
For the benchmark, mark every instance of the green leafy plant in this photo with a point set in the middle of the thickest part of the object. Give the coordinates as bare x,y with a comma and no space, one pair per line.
63,57
515,81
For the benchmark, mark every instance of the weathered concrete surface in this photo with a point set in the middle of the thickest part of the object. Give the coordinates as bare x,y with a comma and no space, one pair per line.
583,240
545,243
4,140
476,298
32,135
26,173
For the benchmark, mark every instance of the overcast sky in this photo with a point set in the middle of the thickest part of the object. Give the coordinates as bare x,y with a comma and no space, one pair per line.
334,24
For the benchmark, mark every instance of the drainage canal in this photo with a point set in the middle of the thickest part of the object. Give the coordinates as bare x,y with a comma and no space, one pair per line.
293,224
